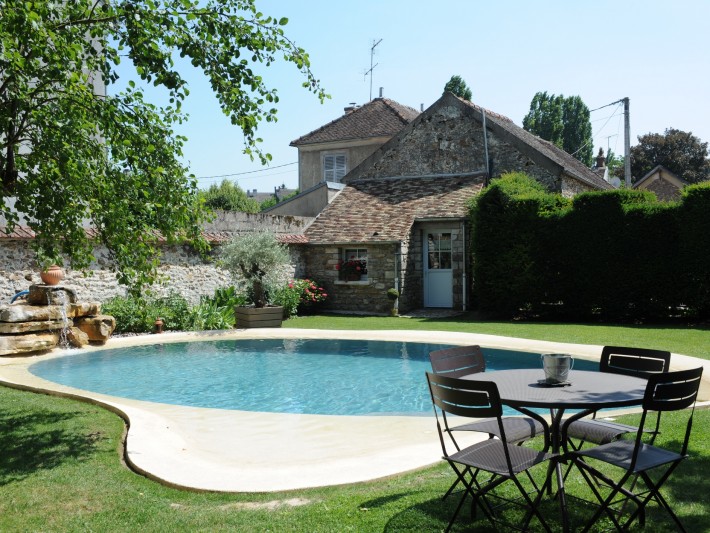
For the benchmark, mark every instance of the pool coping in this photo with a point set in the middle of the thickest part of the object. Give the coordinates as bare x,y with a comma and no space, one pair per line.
240,451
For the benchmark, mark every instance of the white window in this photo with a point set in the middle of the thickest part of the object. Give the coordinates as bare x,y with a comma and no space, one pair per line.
334,167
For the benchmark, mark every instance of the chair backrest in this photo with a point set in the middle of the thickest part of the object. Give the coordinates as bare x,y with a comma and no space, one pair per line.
669,391
672,391
640,362
464,397
458,361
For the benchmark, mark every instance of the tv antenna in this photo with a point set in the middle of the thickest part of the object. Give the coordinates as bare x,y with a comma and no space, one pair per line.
372,67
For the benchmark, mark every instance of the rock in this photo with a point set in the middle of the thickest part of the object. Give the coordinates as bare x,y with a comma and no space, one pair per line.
50,295
13,328
29,313
84,309
77,338
33,342
98,328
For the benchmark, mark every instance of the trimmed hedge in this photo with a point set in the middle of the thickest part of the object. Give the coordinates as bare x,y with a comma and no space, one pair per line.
612,255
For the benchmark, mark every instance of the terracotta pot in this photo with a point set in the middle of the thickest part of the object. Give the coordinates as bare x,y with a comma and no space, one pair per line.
52,276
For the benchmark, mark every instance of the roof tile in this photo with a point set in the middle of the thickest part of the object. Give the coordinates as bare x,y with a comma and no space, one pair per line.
380,117
384,209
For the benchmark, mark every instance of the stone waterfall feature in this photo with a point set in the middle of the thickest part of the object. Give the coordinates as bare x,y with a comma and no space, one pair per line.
51,316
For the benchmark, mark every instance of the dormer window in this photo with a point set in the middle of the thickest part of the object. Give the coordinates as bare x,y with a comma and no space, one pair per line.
334,167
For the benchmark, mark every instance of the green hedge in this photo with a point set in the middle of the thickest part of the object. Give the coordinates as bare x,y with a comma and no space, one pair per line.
611,255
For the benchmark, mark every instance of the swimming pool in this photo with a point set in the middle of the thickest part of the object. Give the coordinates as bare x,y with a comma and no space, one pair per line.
306,376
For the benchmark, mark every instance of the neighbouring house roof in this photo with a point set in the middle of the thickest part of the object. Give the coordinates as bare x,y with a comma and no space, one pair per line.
384,209
520,137
377,118
661,181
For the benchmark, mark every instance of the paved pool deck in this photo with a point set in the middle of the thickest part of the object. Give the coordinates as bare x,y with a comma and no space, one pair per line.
240,451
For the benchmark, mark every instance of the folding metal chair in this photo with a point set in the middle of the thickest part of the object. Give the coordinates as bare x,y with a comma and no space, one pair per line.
640,362
466,360
475,399
670,391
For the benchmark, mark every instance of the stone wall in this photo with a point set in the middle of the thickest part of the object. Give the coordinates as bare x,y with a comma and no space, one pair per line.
444,143
182,269
366,296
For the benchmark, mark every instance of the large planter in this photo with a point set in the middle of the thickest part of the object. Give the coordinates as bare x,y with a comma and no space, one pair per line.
259,317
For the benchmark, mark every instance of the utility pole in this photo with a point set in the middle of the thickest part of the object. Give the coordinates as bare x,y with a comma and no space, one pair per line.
372,67
627,144
627,138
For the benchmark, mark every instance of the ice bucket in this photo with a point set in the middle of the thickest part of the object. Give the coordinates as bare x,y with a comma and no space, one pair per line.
557,367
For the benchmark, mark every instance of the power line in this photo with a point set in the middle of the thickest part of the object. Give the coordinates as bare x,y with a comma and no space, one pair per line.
244,173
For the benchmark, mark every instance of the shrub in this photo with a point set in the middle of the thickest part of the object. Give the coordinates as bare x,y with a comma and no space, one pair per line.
300,296
217,311
138,314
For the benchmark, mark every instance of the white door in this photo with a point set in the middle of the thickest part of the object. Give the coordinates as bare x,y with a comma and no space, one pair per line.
438,274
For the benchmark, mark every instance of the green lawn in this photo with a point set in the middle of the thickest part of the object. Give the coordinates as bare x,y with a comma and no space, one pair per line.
61,469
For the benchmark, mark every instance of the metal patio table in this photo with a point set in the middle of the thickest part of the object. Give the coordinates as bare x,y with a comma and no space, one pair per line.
587,391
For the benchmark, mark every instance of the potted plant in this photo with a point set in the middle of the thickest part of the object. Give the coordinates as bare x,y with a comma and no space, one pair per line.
256,259
351,269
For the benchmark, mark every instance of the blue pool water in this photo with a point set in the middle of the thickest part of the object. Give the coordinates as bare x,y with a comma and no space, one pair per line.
319,376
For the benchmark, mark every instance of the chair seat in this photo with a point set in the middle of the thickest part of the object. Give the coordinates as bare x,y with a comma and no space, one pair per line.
489,455
517,428
598,431
619,453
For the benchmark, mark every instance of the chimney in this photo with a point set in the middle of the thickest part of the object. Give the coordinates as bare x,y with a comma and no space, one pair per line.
421,107
601,159
382,91
352,106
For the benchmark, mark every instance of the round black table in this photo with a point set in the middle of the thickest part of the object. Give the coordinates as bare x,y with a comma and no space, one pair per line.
587,390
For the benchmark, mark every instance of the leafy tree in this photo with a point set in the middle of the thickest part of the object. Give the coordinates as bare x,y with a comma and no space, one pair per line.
562,121
680,152
230,197
69,153
457,86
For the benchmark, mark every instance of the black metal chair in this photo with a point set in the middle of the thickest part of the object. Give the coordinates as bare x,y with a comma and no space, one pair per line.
475,399
669,391
466,360
640,362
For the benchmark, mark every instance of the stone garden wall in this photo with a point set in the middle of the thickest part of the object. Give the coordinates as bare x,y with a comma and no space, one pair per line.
183,270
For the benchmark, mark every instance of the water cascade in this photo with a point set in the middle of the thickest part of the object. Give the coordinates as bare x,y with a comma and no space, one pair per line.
50,317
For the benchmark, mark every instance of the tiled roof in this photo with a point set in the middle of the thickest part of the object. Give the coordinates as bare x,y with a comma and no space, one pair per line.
380,117
571,165
215,237
292,239
19,232
384,209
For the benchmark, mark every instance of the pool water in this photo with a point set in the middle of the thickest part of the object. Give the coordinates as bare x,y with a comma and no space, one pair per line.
310,376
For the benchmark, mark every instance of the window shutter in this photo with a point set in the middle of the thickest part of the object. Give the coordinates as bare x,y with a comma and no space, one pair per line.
334,167
328,168
339,167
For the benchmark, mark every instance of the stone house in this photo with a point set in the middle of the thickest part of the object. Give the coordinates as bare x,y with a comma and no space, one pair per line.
663,183
404,208
328,153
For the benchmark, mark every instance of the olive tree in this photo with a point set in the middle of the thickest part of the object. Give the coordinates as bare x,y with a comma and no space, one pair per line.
257,259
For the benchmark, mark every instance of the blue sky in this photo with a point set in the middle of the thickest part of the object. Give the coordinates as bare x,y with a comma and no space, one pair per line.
654,52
